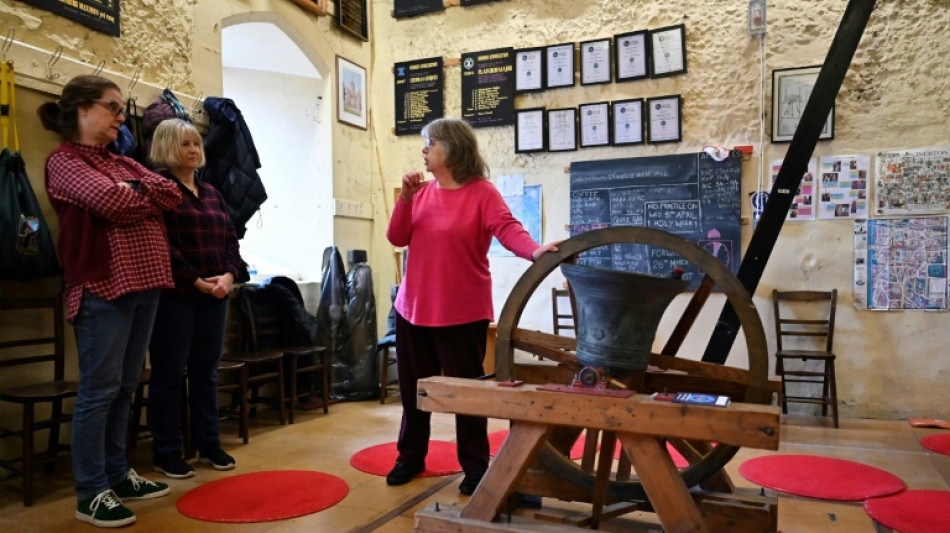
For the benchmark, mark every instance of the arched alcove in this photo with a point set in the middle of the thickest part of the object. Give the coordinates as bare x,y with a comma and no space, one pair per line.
282,87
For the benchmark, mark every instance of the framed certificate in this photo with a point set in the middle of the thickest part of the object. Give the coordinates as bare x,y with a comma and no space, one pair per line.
668,51
595,124
627,121
630,55
665,121
529,130
529,70
559,61
595,62
791,88
562,129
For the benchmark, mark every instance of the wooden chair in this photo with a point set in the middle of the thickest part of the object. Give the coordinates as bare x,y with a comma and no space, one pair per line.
238,388
34,354
806,318
386,350
561,300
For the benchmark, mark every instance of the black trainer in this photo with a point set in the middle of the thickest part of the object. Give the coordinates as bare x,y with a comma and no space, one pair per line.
174,467
217,458
403,473
470,482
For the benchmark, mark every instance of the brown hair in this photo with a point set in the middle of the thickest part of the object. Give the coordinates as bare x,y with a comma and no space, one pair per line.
62,116
461,148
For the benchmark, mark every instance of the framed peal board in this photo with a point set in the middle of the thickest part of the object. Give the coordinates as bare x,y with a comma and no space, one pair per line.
690,195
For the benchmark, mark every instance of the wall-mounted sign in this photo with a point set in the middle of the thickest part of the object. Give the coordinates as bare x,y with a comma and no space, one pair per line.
352,17
420,96
488,87
411,8
100,15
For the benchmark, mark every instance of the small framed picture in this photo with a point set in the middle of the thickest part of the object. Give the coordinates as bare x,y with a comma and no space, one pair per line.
627,121
350,93
529,130
630,55
791,88
595,124
559,62
529,70
664,123
668,51
562,129
595,62
757,25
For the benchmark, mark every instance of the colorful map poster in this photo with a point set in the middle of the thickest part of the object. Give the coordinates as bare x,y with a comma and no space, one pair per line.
526,207
803,203
901,263
845,182
913,182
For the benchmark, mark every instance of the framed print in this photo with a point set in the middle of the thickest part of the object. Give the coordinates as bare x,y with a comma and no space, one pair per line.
317,7
595,62
562,129
529,70
668,51
665,121
559,61
627,121
595,124
352,17
529,130
791,88
630,55
350,93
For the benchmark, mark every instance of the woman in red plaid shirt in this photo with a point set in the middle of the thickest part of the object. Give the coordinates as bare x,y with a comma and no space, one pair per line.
115,260
189,327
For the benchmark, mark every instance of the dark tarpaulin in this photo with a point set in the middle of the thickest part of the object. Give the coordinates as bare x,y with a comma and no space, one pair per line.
356,369
331,311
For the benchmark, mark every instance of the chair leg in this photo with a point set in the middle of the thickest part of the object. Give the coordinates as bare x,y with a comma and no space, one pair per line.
293,385
325,363
244,425
27,454
780,370
52,445
383,373
280,391
834,392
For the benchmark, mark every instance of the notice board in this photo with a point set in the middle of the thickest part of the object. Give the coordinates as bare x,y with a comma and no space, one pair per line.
690,195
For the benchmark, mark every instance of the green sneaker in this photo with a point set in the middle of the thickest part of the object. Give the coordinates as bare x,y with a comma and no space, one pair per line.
136,487
105,510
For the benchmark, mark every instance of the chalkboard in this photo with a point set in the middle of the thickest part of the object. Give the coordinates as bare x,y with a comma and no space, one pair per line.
690,195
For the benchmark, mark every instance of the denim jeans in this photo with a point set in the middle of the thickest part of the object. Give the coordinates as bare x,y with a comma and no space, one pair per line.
111,338
188,335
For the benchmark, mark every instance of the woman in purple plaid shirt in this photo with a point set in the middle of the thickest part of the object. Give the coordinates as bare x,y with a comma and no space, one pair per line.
189,326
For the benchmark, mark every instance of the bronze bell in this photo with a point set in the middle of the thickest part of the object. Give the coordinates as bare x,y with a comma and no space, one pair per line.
617,315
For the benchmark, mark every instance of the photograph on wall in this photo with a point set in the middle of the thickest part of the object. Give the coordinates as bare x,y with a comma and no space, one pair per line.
844,186
350,93
420,94
791,89
911,182
905,260
804,201
488,87
100,15
411,8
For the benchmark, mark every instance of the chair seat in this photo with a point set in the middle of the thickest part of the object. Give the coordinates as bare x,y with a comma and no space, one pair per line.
40,392
253,357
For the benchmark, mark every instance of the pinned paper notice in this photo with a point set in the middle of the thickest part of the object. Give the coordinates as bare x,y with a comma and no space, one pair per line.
511,185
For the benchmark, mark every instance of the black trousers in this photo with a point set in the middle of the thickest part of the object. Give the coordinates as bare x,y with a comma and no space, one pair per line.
453,351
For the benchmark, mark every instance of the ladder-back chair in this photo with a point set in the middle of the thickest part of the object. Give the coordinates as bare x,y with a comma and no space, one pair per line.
804,334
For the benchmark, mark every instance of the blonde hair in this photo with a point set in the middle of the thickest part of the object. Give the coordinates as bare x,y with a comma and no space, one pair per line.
461,148
166,143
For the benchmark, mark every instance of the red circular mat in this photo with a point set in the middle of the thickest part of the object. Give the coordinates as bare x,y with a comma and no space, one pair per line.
912,511
496,439
380,459
823,478
938,443
263,496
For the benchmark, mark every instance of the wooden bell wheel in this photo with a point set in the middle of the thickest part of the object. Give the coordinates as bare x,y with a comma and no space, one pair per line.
680,374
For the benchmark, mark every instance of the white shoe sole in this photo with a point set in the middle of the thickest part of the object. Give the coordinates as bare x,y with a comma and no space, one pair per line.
207,461
83,517
174,475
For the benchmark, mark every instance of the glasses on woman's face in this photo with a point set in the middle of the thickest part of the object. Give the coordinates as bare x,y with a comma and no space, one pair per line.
428,142
114,107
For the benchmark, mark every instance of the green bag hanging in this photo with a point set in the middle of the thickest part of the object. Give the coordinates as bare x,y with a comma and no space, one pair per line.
26,246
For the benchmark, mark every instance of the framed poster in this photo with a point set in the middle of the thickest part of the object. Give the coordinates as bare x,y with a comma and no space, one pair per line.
627,121
317,7
419,88
529,130
630,55
562,129
595,124
665,120
352,17
668,51
96,14
560,65
529,70
845,182
488,87
350,93
595,62
791,88
411,8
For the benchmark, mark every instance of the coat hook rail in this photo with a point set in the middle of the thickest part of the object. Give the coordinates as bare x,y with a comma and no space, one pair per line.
52,62
7,43
197,107
98,70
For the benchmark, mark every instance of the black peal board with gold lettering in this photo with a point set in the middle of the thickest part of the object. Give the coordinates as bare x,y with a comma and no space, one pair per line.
100,15
411,8
420,95
488,87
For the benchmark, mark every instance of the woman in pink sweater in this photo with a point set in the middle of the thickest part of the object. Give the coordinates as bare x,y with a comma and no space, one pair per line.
444,305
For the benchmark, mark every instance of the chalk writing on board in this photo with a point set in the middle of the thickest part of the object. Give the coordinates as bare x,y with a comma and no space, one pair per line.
690,195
